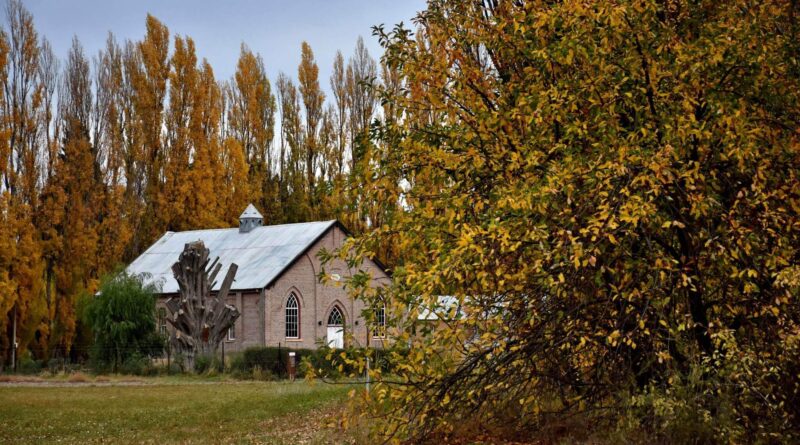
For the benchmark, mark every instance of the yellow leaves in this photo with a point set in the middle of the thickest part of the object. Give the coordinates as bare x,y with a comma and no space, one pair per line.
594,181
613,338
668,224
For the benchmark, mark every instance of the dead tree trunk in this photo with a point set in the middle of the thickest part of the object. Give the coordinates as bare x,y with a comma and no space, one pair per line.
201,321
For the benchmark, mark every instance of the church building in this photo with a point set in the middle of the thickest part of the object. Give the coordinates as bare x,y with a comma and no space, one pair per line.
277,287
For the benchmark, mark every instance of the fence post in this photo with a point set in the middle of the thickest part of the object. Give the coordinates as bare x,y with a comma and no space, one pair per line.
14,340
281,365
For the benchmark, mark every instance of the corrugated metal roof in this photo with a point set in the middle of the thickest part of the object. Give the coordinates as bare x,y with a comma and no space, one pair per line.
261,254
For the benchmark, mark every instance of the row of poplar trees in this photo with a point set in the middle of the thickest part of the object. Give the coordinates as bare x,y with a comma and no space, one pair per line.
99,156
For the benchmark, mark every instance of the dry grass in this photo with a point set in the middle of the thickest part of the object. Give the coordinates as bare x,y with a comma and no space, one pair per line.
78,377
10,378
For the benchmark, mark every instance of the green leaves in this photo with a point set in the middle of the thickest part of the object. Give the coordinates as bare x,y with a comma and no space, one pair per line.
122,318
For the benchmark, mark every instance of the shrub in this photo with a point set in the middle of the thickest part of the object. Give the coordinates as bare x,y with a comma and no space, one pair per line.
268,359
78,377
262,374
336,363
164,369
27,365
54,365
326,362
236,362
136,365
178,362
202,363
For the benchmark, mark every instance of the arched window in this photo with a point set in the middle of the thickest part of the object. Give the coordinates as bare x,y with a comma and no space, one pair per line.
335,318
380,322
162,322
292,317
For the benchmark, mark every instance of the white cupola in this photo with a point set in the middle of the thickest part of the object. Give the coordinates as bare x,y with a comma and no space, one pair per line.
250,219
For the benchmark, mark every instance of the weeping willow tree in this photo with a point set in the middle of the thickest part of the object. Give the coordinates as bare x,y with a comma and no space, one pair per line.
121,318
609,191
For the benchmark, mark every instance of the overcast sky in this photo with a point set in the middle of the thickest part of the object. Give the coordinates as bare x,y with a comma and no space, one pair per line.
272,28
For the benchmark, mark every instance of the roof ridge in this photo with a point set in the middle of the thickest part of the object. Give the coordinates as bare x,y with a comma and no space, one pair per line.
256,228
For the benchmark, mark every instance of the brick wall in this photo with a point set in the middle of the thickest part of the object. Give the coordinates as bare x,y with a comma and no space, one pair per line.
317,299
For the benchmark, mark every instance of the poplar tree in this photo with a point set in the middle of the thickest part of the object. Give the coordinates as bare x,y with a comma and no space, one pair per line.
148,68
72,199
313,99
20,171
109,116
205,205
338,83
292,162
181,128
251,119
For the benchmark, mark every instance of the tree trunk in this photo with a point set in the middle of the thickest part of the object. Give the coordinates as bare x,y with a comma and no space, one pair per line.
201,320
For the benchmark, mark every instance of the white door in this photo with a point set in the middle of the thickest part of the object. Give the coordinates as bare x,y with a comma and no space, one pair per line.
335,328
336,337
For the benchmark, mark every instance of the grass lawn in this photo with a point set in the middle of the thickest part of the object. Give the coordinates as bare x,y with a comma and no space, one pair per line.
170,411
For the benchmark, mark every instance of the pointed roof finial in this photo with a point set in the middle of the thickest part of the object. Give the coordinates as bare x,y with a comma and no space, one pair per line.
250,212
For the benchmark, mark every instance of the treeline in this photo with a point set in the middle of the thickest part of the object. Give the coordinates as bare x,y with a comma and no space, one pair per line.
100,155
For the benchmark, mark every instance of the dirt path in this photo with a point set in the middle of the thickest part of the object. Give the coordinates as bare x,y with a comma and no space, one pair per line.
85,381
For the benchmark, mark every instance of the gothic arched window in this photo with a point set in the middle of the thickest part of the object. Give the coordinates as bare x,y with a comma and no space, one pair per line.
292,317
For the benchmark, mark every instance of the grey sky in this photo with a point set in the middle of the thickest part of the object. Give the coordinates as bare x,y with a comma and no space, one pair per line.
272,28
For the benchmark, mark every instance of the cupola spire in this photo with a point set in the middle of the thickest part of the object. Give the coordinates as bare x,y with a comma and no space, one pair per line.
250,219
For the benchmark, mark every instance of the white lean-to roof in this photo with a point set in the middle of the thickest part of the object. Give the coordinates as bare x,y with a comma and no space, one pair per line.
262,254
445,307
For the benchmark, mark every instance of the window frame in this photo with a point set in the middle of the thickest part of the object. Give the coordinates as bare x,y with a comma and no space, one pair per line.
161,317
339,311
286,314
379,330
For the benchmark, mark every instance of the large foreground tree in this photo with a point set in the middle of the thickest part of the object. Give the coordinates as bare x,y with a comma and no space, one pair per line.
610,192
